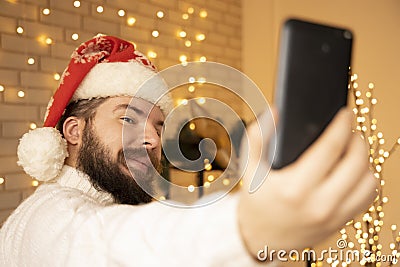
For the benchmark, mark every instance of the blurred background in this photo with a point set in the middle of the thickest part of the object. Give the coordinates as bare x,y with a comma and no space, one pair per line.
37,38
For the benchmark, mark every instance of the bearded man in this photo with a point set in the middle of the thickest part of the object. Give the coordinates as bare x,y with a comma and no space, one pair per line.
94,207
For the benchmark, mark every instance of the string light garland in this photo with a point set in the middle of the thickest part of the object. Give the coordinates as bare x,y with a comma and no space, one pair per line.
367,230
183,35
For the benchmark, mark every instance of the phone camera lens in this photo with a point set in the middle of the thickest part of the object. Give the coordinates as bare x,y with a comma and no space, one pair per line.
347,35
326,48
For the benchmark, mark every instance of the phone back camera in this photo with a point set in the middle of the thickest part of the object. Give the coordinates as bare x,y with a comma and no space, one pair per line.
325,48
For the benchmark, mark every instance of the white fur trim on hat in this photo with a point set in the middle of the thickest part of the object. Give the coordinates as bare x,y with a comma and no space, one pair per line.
124,79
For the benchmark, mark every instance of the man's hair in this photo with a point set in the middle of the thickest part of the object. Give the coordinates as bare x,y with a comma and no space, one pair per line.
84,109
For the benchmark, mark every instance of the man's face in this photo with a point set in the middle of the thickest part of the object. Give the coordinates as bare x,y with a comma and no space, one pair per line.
122,142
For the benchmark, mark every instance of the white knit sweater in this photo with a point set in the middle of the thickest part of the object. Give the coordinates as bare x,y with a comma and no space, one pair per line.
69,223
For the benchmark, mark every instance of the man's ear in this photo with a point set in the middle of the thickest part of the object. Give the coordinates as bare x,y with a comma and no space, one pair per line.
73,129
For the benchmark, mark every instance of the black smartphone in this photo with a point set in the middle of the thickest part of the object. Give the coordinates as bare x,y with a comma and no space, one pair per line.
312,84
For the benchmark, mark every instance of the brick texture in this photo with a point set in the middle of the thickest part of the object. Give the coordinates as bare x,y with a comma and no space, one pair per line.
222,28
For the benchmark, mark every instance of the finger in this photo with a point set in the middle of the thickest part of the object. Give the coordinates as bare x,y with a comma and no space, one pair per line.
350,169
327,149
254,149
357,201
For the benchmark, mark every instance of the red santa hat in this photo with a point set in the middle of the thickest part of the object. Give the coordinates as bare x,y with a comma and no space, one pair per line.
104,66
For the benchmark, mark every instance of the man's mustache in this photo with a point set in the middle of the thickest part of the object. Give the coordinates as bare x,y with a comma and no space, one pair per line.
137,153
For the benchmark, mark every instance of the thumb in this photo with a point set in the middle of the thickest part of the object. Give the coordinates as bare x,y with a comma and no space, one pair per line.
254,153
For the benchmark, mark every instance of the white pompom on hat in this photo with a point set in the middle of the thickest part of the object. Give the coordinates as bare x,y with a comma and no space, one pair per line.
104,66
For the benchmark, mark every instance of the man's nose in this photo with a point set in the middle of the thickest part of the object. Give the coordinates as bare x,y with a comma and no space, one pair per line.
151,137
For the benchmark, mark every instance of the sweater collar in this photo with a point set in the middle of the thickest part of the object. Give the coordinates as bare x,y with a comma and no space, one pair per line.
73,178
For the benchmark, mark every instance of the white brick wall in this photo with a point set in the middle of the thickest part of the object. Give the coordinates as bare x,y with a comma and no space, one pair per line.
222,28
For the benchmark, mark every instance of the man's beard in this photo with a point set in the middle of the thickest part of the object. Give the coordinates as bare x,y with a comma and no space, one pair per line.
105,174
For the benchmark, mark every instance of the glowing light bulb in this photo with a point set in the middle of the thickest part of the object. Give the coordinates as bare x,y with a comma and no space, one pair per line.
190,188
208,167
201,80
77,3
49,41
203,14
192,126
191,88
75,36
190,10
200,37
46,11
121,12
210,178
393,227
207,184
160,14
192,79
371,85
35,183
1,88
21,94
182,34
226,181
201,100
152,54
99,9
57,77
20,30
32,126
182,58
155,33
188,43
2,180
130,21
185,16
183,101
31,61
203,59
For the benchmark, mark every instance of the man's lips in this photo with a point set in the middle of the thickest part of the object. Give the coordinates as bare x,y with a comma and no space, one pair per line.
138,164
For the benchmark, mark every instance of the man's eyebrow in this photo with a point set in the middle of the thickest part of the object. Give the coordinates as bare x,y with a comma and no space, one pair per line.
138,111
126,107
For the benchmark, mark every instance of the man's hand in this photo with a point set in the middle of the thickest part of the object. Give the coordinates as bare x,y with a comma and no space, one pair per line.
305,202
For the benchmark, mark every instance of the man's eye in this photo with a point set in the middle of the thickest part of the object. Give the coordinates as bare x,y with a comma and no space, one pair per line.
128,120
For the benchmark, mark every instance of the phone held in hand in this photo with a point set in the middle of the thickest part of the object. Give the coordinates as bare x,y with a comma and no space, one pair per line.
312,85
